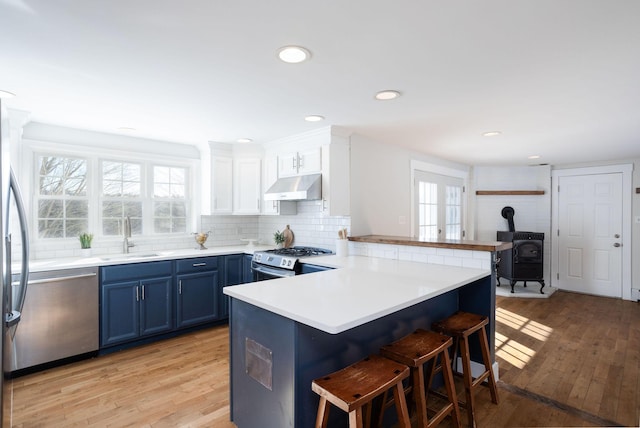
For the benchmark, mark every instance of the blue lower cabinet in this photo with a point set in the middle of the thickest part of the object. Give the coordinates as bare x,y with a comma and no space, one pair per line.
197,298
134,309
247,273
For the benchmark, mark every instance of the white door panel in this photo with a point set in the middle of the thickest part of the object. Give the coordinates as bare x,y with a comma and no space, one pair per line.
589,226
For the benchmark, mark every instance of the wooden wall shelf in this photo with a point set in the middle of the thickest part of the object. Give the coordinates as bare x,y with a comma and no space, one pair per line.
510,192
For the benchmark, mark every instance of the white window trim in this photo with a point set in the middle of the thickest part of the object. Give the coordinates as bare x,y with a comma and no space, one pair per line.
417,165
33,148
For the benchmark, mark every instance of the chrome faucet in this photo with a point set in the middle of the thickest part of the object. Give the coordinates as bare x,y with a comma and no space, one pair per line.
126,244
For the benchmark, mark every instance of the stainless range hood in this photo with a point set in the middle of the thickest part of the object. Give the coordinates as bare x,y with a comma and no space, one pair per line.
298,188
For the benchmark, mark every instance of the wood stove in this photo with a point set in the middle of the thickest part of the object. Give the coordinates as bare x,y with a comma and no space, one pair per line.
524,261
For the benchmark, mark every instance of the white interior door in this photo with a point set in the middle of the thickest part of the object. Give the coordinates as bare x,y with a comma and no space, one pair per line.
590,230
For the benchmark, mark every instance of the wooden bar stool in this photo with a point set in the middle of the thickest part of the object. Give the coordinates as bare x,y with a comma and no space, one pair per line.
460,326
416,350
357,385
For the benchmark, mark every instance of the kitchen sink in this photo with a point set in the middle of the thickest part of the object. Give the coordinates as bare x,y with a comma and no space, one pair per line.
129,256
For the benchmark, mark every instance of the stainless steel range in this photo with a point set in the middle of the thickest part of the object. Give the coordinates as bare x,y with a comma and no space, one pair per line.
282,262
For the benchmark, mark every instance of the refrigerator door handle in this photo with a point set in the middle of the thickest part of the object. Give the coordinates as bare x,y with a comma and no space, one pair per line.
13,316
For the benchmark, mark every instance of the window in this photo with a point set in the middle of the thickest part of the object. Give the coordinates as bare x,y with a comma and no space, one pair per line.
169,199
63,206
439,206
95,195
122,197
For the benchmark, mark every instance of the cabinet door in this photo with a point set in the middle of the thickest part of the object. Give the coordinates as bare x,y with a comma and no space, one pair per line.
310,161
247,193
197,298
233,275
287,164
155,306
247,274
119,313
222,177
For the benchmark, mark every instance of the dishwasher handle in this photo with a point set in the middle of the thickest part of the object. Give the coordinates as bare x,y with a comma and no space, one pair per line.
56,279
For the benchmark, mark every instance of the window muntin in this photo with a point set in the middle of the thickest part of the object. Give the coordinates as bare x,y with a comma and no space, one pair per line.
169,199
439,200
121,197
63,206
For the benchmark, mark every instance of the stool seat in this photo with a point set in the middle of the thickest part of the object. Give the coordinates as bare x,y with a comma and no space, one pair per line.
357,385
461,325
415,350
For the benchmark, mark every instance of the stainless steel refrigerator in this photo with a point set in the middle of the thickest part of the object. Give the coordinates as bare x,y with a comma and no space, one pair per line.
11,295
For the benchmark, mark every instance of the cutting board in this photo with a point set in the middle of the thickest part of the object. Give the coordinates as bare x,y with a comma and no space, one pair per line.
288,237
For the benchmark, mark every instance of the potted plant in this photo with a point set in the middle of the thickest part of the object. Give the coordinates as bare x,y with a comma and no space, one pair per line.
278,238
85,243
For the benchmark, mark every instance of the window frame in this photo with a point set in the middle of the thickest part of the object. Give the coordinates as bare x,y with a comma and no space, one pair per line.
94,155
420,167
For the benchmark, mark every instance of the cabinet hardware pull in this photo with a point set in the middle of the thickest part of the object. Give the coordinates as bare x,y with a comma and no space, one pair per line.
293,163
137,293
180,287
142,291
199,264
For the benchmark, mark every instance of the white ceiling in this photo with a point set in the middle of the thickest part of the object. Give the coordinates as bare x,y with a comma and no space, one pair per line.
558,78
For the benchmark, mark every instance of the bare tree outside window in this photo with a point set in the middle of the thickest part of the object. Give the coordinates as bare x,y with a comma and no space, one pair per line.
170,204
121,197
63,207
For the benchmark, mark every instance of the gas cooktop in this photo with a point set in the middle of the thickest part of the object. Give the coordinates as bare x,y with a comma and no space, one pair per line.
300,251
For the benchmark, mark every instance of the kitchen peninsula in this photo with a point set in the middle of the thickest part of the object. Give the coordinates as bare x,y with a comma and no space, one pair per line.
286,332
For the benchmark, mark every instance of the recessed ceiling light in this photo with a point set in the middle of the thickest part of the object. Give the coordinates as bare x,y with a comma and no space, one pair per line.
6,94
492,134
314,118
293,54
244,140
387,95
534,157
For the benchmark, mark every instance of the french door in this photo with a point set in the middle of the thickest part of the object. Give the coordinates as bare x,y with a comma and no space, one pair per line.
439,209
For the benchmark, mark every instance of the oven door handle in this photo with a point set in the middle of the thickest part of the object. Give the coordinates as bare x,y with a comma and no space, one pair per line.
271,271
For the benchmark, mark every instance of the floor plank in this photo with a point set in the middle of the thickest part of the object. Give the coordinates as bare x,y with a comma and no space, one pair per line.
582,368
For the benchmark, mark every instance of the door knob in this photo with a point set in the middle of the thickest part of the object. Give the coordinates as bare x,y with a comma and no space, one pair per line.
617,244
617,235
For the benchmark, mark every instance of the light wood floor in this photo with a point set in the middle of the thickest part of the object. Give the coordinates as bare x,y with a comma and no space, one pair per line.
571,360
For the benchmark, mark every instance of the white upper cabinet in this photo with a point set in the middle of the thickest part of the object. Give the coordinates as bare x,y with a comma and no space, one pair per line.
327,151
236,179
300,162
247,191
222,185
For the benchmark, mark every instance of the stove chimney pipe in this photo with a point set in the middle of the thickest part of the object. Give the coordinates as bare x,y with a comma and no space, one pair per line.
508,212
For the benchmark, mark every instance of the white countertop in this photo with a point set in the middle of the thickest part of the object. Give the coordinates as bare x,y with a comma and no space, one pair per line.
137,257
360,290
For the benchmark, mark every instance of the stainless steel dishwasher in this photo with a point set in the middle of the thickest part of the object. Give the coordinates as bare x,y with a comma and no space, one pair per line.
60,318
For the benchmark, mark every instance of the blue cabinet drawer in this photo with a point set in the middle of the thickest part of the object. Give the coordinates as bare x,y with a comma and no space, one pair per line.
135,271
197,264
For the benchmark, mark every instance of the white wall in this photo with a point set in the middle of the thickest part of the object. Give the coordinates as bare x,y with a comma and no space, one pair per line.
532,213
381,186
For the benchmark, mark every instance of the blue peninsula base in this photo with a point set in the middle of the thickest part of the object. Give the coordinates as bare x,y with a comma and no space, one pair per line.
274,359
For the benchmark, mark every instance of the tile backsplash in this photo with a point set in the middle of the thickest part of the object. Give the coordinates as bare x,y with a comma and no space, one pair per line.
311,227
